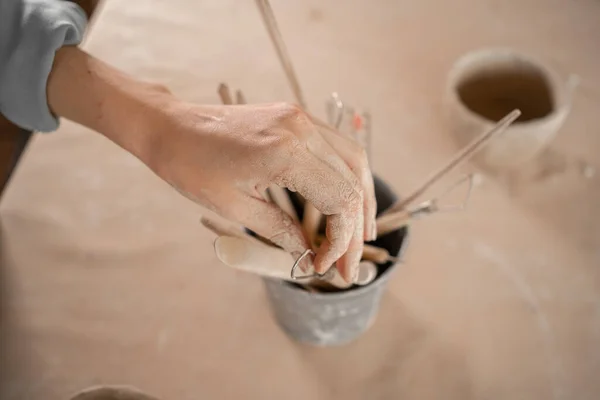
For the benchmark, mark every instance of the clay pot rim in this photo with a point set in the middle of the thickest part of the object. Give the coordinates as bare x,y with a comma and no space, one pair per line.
457,73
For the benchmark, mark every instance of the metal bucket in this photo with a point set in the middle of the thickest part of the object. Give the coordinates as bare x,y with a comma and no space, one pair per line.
336,318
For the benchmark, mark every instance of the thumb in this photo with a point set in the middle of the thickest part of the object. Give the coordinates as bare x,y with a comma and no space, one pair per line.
271,222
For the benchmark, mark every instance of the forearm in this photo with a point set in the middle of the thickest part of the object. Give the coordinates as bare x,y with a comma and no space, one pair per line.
88,91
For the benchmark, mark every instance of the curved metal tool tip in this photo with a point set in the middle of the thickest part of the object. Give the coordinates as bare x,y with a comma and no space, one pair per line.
297,264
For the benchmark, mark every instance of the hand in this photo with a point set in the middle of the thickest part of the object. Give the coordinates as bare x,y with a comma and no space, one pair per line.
224,157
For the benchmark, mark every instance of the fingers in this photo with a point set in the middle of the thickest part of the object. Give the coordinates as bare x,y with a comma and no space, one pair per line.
350,257
348,263
343,245
357,160
337,196
271,222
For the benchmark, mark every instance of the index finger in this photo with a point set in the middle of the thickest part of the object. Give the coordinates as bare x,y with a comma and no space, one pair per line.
332,194
356,158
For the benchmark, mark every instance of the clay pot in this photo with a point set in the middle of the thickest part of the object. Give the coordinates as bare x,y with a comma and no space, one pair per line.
485,85
112,393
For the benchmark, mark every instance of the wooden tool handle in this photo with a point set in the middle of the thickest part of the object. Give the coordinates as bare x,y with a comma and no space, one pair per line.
246,255
376,254
268,17
227,229
311,222
225,94
367,272
390,222
239,97
280,197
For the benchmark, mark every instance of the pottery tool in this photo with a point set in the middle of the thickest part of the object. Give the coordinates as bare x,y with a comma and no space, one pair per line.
220,228
367,126
390,222
268,17
336,111
461,156
367,272
330,111
360,123
258,258
225,94
280,197
239,97
376,254
311,221
243,254
312,216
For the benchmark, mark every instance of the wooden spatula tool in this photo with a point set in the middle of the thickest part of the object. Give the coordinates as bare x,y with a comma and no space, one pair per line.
258,258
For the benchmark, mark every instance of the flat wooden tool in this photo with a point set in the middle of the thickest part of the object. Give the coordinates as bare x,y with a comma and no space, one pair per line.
376,254
281,198
258,258
461,156
390,222
367,272
226,229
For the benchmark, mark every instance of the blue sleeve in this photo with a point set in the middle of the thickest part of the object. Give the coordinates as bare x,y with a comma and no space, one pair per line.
31,31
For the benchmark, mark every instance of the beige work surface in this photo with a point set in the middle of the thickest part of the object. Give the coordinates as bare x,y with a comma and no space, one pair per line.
107,276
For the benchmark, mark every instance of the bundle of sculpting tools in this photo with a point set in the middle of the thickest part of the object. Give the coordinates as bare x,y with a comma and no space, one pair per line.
238,248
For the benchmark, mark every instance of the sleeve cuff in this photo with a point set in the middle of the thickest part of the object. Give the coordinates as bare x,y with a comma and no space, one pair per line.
46,26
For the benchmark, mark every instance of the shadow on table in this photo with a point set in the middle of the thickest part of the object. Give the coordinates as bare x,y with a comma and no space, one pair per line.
15,366
399,357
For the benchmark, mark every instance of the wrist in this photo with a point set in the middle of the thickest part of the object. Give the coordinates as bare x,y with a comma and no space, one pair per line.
127,111
140,118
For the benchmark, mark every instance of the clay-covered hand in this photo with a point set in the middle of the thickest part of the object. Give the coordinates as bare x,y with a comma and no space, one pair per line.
224,157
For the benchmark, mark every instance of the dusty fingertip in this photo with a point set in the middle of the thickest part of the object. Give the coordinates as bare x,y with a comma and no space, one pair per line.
322,268
370,232
367,233
350,276
346,273
320,264
355,271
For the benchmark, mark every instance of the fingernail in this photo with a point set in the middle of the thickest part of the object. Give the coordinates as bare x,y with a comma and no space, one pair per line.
328,275
374,231
355,275
320,270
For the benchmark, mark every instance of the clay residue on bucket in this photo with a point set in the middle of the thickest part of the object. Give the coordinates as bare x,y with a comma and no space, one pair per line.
494,92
